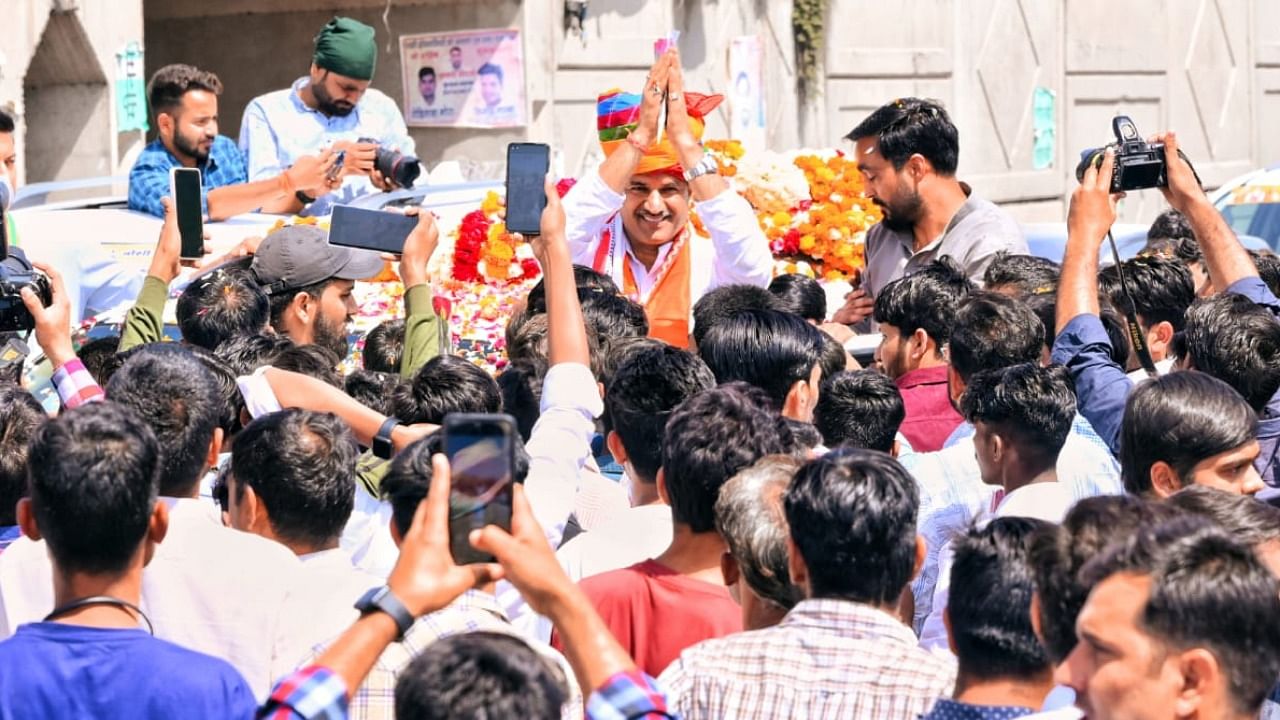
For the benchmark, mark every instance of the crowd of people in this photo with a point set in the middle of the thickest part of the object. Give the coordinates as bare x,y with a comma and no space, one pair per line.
1054,496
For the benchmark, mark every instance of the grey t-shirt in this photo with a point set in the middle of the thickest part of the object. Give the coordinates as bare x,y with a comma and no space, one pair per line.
977,232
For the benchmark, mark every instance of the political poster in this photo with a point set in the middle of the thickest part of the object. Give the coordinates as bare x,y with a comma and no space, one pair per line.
746,91
473,78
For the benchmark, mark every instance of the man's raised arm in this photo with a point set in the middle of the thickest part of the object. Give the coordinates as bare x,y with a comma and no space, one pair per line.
1082,344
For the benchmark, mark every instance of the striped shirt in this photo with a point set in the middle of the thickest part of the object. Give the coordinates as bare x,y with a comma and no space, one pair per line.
828,658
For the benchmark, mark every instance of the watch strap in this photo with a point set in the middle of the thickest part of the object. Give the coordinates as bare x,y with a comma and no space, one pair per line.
382,446
706,166
381,599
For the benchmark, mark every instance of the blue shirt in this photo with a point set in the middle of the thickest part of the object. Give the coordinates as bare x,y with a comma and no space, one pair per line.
1102,387
951,710
278,128
8,534
149,178
55,670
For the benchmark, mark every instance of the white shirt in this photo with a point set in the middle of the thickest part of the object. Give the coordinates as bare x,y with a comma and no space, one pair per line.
1164,367
738,251
367,535
1048,501
208,588
631,536
321,605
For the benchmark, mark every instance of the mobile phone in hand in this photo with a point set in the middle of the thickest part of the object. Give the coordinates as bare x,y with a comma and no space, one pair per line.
184,184
481,450
377,230
527,166
333,172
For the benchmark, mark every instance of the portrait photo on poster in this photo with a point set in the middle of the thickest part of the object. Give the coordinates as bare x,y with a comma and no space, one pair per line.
464,79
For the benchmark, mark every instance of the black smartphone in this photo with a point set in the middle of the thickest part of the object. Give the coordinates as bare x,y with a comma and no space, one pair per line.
185,185
378,230
481,450
527,166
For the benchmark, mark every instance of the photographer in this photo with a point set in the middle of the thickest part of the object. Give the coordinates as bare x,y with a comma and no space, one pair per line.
332,106
1233,337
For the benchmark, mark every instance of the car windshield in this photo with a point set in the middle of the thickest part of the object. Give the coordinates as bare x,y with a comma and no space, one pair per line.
1258,219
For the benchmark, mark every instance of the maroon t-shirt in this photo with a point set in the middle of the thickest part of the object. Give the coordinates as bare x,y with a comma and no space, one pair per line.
655,612
930,418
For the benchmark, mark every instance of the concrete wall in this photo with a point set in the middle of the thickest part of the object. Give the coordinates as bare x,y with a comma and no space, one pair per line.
57,58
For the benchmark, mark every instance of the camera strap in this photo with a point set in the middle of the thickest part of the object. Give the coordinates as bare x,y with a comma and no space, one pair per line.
1136,336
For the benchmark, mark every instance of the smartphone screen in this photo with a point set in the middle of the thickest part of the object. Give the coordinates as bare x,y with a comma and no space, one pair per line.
186,199
377,230
527,165
481,452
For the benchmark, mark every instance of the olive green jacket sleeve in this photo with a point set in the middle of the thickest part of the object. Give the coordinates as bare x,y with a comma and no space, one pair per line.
144,323
370,470
426,334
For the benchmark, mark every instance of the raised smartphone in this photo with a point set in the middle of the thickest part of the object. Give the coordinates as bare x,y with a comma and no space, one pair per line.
481,452
527,165
377,230
185,186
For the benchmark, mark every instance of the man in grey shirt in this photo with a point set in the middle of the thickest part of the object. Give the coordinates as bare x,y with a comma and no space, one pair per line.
907,152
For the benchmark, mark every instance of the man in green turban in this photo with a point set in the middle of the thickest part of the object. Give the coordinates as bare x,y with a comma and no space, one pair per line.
332,106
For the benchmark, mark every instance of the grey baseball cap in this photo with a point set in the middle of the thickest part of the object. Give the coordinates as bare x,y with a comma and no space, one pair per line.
300,255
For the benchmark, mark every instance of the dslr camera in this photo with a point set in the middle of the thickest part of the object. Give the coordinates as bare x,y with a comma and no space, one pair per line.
1139,164
394,165
16,274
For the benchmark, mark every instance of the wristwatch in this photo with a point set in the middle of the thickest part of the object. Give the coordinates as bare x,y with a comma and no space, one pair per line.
383,600
382,439
304,198
706,166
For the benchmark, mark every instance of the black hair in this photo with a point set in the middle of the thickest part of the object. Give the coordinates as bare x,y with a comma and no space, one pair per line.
21,415
93,474
800,295
926,300
373,389
1208,590
612,316
722,302
480,675
1028,274
852,515
770,349
520,385
490,69
426,70
7,123
1161,289
1247,519
990,602
529,339
619,350
232,401
993,331
174,393
280,302
1182,419
908,126
301,465
645,389
409,477
220,305
170,83
384,347
314,361
1058,553
1172,225
247,353
1268,265
1045,306
99,357
1030,404
709,438
584,278
860,408
1237,341
446,384
834,358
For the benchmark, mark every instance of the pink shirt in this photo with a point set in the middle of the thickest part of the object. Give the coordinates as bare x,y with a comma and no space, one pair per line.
930,418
